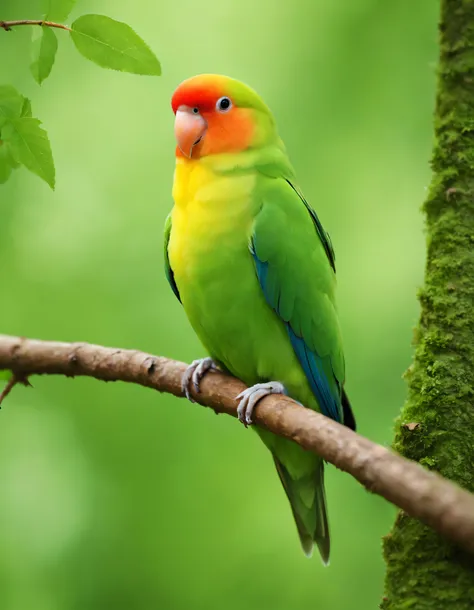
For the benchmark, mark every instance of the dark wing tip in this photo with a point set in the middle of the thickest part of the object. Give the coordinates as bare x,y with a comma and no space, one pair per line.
349,419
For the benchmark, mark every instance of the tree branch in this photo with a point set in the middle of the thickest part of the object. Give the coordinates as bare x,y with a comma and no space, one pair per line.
422,494
8,25
11,383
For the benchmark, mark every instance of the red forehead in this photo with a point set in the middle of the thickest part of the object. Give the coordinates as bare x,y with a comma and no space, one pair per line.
202,93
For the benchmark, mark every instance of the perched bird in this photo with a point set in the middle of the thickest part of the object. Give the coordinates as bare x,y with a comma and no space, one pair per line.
254,270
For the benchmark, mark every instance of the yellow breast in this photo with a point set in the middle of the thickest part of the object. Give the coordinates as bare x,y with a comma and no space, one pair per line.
209,207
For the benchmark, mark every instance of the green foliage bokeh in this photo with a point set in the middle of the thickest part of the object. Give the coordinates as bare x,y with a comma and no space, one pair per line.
112,496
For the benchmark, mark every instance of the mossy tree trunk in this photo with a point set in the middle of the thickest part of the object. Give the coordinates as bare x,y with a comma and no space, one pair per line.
423,570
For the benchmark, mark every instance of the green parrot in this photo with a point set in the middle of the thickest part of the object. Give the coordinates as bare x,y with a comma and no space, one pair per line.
254,270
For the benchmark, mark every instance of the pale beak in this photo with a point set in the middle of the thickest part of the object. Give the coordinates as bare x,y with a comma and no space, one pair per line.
189,129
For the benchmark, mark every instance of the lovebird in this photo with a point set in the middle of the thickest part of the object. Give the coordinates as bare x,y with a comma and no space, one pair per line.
254,269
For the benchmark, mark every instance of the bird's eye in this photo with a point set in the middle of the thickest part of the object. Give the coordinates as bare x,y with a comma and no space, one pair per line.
195,110
223,104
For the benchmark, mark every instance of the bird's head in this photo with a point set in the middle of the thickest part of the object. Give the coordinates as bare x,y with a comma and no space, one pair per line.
217,114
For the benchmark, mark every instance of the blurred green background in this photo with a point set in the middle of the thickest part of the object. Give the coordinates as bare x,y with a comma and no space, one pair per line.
112,496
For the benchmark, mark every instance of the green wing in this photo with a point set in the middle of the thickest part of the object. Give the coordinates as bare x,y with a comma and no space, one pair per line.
295,267
323,235
168,271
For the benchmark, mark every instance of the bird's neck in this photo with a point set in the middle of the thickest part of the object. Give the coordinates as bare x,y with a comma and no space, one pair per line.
224,178
201,185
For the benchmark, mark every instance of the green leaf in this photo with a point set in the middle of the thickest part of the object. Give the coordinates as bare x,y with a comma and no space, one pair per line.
58,10
11,103
26,108
9,153
44,53
5,165
5,375
113,44
10,107
30,146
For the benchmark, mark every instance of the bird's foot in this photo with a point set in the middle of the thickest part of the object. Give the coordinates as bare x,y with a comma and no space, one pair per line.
250,397
194,373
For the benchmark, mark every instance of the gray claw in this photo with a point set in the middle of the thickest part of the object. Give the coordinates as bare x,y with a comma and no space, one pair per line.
194,373
250,397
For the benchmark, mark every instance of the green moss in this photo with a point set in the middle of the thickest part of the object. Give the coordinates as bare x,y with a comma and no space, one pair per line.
424,571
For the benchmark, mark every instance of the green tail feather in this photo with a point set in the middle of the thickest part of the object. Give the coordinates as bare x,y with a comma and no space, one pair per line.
311,521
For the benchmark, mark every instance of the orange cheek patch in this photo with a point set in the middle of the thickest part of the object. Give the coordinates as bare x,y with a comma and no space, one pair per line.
228,132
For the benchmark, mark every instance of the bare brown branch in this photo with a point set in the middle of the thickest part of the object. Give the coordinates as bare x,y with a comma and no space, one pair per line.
422,494
8,25
11,383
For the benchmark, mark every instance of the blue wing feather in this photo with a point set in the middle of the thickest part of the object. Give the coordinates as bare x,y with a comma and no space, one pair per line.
311,362
313,368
